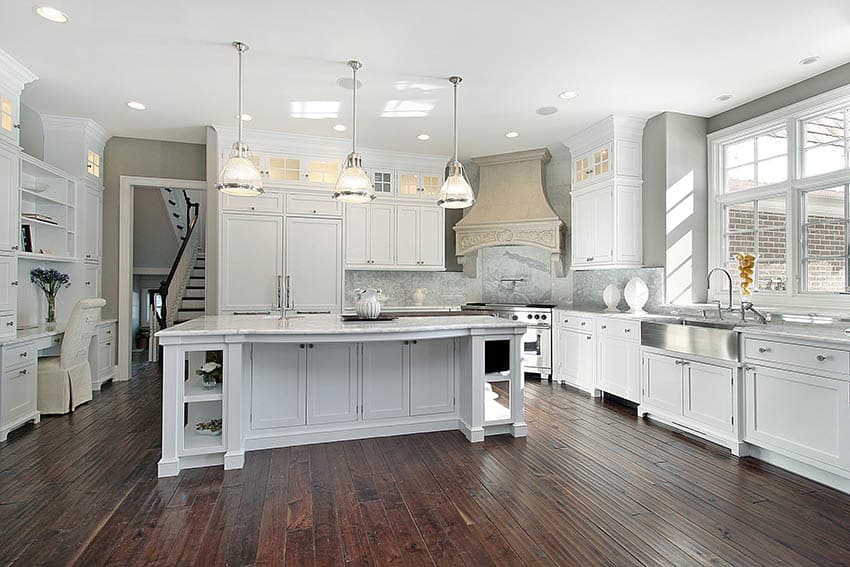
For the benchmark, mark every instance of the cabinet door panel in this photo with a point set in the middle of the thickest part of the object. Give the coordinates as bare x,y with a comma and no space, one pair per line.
92,284
313,261
278,386
331,383
582,229
8,291
603,225
386,380
628,229
618,365
9,186
251,261
662,383
799,414
407,232
432,376
93,209
356,234
708,395
19,393
569,355
381,234
430,233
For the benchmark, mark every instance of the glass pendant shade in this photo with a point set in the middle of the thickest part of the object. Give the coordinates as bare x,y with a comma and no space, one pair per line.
456,193
353,185
240,176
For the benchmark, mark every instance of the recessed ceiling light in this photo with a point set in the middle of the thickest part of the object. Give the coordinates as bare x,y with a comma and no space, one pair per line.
340,127
723,98
809,60
567,95
423,137
546,110
511,134
136,105
52,14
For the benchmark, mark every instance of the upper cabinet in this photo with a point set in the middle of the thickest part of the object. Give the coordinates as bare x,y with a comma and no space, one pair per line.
10,166
13,78
424,185
607,194
75,145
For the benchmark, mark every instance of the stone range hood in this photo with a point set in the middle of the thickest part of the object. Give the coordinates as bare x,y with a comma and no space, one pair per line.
511,209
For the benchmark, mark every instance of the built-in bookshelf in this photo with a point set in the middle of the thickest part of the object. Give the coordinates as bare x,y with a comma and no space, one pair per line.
48,214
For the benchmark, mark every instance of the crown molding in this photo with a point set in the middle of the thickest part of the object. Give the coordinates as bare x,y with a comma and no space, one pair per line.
13,73
85,126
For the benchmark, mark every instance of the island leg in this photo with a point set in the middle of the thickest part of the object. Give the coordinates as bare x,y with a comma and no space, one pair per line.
518,427
172,368
234,456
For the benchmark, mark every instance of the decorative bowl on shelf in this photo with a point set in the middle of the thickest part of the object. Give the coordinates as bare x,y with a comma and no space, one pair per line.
212,427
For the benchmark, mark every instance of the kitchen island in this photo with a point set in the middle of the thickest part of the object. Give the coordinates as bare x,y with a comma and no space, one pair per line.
316,378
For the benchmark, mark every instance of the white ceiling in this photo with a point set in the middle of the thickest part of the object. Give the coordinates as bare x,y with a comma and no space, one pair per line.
621,56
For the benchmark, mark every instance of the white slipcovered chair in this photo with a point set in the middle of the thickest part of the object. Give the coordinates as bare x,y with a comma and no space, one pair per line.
64,381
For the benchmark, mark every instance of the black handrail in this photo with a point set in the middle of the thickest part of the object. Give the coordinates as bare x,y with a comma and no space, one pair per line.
192,214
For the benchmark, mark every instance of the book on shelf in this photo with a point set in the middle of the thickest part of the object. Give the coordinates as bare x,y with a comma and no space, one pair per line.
26,238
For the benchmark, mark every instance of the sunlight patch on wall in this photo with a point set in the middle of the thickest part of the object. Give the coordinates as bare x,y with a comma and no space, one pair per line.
680,247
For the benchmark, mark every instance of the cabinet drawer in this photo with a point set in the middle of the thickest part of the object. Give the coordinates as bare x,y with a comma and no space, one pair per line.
19,392
629,330
269,202
8,325
19,355
313,205
816,358
105,332
575,322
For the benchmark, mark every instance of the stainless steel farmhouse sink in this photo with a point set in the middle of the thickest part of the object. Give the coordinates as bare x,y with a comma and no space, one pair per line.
712,339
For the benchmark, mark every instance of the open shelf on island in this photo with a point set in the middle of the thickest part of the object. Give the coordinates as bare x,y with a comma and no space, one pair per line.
195,443
193,391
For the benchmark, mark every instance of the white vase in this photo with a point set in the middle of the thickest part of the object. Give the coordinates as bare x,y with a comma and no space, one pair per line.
636,294
368,306
611,297
419,296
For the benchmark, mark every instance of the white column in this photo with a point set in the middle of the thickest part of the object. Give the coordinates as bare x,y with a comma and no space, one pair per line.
234,456
518,427
172,425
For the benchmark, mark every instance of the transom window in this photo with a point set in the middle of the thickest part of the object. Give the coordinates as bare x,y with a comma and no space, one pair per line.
825,139
824,245
756,161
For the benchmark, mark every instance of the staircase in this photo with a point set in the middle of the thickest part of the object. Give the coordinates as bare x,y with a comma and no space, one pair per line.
193,302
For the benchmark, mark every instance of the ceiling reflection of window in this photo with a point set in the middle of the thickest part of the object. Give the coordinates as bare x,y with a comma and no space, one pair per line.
314,109
407,108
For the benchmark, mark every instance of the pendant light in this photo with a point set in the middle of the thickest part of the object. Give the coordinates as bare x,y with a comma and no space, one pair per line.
456,193
353,185
240,176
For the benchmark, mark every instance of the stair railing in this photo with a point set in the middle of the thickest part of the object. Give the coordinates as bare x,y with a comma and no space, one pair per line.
171,288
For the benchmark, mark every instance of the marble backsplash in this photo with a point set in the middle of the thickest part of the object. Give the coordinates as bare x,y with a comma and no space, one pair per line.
589,284
444,288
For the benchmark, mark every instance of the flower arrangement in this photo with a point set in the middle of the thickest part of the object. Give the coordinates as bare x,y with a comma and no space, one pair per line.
210,374
746,267
211,427
50,281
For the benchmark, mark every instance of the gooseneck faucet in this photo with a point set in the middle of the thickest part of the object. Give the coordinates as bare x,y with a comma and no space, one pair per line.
729,278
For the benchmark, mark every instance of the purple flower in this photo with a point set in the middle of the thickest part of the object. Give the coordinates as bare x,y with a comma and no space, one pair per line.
49,280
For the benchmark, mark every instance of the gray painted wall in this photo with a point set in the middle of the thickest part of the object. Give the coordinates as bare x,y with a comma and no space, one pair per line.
832,79
654,190
32,132
143,158
154,243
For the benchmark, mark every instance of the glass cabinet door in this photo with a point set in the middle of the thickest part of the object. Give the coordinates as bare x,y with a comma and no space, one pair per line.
93,163
383,181
601,161
582,169
322,171
284,169
408,184
431,184
7,117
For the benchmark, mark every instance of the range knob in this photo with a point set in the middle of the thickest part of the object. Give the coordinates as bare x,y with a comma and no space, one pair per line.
529,315
543,317
514,317
537,316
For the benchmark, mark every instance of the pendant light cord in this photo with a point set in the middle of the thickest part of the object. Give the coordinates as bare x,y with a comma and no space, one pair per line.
355,65
454,122
240,49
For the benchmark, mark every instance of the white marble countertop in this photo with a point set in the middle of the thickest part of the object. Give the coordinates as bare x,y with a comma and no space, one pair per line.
329,325
411,308
41,331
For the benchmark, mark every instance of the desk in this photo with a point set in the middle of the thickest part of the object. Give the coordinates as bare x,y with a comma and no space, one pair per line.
19,369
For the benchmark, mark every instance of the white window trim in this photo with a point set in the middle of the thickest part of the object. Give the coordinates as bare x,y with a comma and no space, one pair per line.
791,117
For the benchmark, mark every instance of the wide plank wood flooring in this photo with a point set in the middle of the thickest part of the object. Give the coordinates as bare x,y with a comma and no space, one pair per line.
591,485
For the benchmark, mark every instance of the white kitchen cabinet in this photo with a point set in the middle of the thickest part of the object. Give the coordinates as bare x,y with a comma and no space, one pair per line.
383,180
606,226
75,145
313,205
92,215
709,396
9,108
8,284
251,261
106,365
662,383
91,283
18,392
370,236
268,202
618,357
331,383
385,379
575,358
314,263
420,238
610,148
419,185
10,170
798,415
432,376
278,385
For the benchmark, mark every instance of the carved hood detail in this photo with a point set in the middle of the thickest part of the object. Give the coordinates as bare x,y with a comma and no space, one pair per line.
511,208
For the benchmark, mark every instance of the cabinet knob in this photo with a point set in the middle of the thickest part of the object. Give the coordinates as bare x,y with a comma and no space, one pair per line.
587,337
763,350
314,211
312,345
566,320
88,283
14,282
301,346
821,357
24,371
88,255
604,327
627,330
583,323
253,208
23,354
590,259
16,247
10,324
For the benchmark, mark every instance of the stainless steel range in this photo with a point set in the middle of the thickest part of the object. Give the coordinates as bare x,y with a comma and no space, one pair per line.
537,341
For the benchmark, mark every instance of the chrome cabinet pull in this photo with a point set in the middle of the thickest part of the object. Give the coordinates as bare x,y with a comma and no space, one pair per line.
763,350
604,327
10,324
24,371
590,259
821,357
627,330
14,282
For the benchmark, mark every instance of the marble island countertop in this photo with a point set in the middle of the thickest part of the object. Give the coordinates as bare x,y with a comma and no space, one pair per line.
330,325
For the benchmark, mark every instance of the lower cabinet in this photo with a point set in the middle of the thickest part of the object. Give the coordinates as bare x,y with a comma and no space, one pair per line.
331,383
279,372
798,415
386,379
575,359
18,393
695,394
432,377
619,367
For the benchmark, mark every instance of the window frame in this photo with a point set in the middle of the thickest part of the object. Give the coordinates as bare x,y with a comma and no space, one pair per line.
795,186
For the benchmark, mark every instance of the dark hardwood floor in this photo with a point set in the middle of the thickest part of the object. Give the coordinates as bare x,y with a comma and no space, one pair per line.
592,484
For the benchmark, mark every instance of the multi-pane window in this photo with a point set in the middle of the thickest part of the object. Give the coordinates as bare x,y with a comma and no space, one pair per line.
758,227
383,181
825,143
6,120
756,161
824,255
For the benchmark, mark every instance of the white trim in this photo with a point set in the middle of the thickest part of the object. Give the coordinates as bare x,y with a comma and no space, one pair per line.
125,259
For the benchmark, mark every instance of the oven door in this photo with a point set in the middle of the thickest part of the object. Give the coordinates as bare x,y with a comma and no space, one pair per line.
536,349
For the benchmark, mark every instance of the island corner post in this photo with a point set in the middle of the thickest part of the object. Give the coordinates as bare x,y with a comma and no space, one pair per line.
315,380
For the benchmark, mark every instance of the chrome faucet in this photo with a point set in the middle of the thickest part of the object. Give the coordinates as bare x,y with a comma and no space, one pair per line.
708,286
748,306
